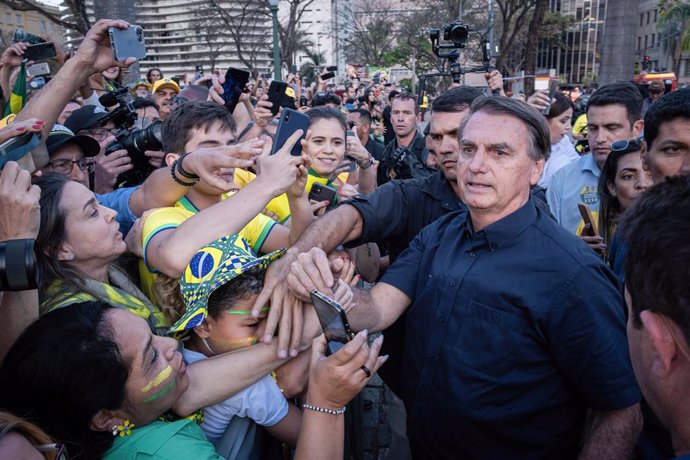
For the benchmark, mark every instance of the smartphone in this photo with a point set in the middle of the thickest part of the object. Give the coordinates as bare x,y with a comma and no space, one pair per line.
327,76
20,35
290,121
333,321
38,69
320,192
40,51
276,92
37,83
235,81
127,43
587,217
332,68
18,148
553,86
303,102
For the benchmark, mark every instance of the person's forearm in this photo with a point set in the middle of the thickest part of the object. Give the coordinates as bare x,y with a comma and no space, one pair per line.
158,190
5,73
18,309
366,314
612,434
321,436
216,379
292,377
241,116
343,224
254,132
300,216
225,218
367,180
48,104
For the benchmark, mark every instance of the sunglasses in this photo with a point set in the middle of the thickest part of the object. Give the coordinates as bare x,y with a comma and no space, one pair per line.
627,145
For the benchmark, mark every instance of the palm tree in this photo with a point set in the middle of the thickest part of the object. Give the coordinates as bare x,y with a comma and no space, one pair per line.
311,68
674,29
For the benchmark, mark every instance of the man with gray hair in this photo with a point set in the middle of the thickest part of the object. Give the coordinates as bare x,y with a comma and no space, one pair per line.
515,328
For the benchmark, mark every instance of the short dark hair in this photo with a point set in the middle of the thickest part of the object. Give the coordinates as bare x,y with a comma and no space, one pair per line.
327,113
62,370
540,139
559,105
142,102
392,94
177,128
239,288
657,231
405,96
456,99
670,106
321,99
623,93
364,115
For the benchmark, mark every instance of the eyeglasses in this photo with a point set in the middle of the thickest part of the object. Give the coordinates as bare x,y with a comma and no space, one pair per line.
627,145
57,450
100,134
65,166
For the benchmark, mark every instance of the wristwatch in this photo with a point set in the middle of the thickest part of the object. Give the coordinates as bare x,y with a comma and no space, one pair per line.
366,163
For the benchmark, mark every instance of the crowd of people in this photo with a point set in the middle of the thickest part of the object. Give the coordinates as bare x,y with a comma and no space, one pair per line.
157,303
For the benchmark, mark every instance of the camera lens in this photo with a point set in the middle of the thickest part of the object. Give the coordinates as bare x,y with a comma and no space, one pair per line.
18,269
458,34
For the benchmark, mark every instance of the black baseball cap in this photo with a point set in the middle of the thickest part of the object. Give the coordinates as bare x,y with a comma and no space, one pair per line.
86,117
61,135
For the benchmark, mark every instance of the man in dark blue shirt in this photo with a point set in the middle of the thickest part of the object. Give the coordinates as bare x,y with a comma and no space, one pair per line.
514,328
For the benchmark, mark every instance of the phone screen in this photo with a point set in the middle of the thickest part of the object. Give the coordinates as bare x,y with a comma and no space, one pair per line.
331,316
40,51
235,81
327,76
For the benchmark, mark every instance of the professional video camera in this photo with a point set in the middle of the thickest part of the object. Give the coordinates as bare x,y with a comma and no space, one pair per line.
135,142
406,165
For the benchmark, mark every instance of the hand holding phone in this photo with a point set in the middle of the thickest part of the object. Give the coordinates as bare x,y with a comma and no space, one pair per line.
320,192
235,81
290,122
40,51
327,76
276,92
127,43
333,321
586,214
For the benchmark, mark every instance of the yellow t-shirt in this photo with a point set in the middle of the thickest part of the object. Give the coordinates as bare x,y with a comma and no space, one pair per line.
280,205
580,125
255,233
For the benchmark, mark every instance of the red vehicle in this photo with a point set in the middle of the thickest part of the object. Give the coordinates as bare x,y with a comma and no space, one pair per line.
669,79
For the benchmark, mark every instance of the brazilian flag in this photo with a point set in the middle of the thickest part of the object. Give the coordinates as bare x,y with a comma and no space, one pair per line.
18,96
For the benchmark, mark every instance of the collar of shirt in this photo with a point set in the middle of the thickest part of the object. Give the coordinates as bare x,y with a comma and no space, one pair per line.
504,230
588,164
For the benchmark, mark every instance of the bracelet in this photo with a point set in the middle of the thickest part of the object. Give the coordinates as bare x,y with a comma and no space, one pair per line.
324,411
176,179
181,170
367,164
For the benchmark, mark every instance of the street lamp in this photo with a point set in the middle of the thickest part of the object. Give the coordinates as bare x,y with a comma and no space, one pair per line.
276,49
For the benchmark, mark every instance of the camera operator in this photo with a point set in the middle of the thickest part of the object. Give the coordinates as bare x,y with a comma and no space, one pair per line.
405,156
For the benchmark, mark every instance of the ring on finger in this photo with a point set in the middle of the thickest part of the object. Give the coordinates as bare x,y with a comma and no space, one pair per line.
366,371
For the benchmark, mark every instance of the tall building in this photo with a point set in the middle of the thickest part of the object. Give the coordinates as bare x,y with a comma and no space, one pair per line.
578,57
180,35
30,21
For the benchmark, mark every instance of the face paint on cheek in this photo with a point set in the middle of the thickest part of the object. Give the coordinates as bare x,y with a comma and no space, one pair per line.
161,393
242,343
157,380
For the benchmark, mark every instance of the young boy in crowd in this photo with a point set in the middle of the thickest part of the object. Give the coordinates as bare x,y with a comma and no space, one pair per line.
218,288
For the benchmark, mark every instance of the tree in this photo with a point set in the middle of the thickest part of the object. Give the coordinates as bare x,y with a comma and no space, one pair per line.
512,31
293,38
211,30
674,29
373,35
250,44
120,9
310,70
77,9
532,43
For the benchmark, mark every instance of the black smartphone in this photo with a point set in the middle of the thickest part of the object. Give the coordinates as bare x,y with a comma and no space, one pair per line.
553,86
290,121
333,321
320,192
127,43
20,35
327,76
332,68
303,102
40,51
235,81
276,92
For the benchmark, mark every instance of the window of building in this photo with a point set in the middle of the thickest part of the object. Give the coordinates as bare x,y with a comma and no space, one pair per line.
639,43
19,19
648,17
44,26
656,14
653,40
641,19
646,42
687,68
8,18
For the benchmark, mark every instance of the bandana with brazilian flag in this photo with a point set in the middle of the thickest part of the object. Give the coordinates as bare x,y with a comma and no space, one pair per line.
18,95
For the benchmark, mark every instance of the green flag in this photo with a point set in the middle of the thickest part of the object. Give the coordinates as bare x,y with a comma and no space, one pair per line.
18,96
